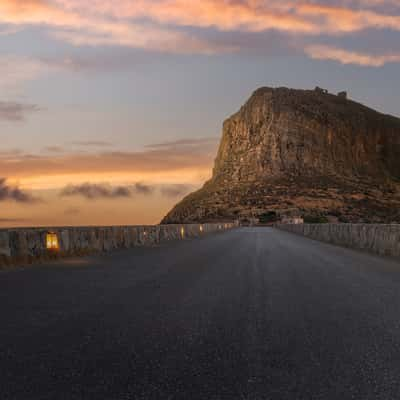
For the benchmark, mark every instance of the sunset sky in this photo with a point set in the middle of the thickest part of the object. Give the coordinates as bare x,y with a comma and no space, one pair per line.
111,111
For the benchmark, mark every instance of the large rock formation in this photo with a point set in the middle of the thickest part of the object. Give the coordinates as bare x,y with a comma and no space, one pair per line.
318,154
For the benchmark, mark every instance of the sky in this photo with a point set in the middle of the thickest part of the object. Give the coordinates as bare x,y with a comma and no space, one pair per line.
111,111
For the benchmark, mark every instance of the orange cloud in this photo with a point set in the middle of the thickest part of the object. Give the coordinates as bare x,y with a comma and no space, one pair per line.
342,20
159,24
189,160
85,29
248,15
252,15
320,52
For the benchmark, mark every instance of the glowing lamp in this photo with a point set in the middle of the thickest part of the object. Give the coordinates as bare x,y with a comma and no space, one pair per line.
182,232
52,241
201,228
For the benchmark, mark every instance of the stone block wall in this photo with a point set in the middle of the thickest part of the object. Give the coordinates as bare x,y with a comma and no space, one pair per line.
26,246
380,239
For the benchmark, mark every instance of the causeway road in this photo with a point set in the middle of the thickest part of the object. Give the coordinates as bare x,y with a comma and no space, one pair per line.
253,314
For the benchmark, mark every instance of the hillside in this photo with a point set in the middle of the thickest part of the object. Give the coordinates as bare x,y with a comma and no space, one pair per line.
306,152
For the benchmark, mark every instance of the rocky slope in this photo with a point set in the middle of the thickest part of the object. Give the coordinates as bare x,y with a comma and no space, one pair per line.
306,152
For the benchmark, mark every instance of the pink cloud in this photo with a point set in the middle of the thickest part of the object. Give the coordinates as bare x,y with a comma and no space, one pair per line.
251,15
320,52
81,28
160,24
337,19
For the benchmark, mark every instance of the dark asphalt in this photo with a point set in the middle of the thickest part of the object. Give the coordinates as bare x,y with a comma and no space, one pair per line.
248,314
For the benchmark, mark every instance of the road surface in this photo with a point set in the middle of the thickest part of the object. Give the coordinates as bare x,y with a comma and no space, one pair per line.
253,313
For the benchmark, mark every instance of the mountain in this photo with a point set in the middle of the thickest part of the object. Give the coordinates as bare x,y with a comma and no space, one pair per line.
305,152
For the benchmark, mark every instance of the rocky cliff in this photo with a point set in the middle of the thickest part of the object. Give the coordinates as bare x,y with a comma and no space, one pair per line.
306,152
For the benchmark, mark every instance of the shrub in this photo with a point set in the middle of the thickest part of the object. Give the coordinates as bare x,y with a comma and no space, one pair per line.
268,217
315,219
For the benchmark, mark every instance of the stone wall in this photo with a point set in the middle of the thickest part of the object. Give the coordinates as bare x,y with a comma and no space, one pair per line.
379,239
26,246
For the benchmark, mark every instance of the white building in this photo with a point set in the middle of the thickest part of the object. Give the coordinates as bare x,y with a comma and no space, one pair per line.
292,220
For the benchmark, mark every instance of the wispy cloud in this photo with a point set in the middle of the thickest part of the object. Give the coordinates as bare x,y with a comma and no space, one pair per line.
247,15
10,154
177,190
92,143
16,112
343,56
94,191
184,143
144,189
54,149
105,190
339,19
15,70
88,28
14,193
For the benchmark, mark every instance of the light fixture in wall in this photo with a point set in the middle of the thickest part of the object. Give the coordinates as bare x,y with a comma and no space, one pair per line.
52,241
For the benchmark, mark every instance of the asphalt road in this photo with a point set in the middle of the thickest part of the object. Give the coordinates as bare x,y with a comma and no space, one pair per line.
248,314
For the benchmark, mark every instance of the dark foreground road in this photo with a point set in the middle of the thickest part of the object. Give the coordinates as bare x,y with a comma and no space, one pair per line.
249,314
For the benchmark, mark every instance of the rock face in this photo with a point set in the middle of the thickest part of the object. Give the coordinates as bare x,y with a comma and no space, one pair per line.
303,150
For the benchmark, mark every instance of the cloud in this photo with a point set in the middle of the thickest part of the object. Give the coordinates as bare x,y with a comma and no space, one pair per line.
86,27
11,154
178,157
16,112
106,22
93,191
14,193
54,149
187,27
141,188
223,15
106,190
339,19
67,148
292,16
93,143
322,52
177,190
15,70
184,143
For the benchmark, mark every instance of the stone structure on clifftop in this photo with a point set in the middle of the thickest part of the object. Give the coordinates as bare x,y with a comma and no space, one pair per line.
323,155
